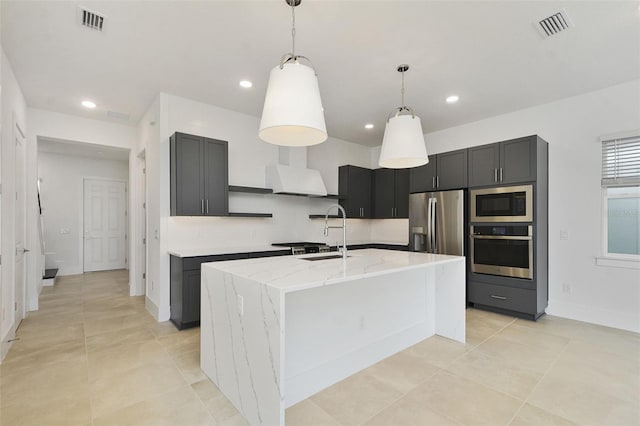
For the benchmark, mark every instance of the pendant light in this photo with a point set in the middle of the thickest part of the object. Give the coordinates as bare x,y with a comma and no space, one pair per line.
293,113
403,142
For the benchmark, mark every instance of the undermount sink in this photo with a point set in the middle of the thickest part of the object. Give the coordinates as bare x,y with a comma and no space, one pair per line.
326,257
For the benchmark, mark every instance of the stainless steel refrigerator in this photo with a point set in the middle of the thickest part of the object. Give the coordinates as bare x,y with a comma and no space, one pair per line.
436,222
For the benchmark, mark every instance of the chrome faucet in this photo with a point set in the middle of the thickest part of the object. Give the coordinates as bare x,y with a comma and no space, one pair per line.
344,227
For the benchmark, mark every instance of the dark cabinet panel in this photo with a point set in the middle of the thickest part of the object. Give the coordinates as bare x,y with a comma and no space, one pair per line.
216,175
390,193
199,176
518,160
191,297
423,178
187,183
452,170
384,201
443,171
504,297
484,162
354,187
507,162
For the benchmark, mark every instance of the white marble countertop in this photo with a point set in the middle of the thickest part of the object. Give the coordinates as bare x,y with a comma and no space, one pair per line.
195,252
209,251
293,273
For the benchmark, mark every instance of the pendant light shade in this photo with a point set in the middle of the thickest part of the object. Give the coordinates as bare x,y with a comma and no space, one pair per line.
403,141
293,113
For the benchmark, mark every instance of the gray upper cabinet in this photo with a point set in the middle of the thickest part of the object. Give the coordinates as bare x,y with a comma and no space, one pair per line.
443,171
199,176
452,170
512,161
390,193
354,191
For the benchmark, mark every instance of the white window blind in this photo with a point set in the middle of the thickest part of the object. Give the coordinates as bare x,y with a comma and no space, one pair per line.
621,161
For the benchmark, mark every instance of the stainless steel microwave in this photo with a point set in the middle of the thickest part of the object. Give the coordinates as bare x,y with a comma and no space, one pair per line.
502,204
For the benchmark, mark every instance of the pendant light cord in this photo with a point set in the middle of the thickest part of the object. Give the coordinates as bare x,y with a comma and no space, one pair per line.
293,30
402,91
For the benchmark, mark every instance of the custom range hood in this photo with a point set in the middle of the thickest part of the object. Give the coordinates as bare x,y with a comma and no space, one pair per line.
291,176
295,180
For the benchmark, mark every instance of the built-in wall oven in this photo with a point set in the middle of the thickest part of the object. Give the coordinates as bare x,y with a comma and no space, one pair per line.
502,204
505,250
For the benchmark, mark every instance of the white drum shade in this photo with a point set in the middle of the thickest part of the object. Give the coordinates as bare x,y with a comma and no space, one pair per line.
403,143
293,113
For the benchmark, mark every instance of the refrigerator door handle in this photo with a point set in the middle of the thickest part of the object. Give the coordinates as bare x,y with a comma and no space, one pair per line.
433,225
429,230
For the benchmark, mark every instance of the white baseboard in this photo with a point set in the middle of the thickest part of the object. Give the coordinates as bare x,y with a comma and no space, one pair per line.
622,320
50,282
5,345
152,308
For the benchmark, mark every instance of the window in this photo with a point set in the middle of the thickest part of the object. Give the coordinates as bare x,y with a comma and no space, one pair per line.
621,197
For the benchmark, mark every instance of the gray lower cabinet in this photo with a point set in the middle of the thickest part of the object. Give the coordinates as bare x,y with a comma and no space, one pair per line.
504,298
444,171
199,176
507,162
185,284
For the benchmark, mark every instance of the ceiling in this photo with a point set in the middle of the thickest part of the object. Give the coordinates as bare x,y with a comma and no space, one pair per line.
80,149
488,53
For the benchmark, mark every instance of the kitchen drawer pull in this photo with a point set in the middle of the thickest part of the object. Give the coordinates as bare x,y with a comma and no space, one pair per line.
202,206
495,174
493,296
433,182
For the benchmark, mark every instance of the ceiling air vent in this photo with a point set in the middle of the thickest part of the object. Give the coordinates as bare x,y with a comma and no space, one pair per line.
91,20
554,24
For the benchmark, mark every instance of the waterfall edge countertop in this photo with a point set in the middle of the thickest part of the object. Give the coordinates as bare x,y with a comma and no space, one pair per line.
293,273
275,331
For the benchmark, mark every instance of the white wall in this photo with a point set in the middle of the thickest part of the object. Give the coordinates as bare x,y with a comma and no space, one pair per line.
572,126
62,201
13,111
248,156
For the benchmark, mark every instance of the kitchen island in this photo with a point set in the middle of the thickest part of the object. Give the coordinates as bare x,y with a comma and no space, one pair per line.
275,331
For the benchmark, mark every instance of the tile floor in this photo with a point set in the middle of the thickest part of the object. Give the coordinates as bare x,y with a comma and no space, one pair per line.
93,356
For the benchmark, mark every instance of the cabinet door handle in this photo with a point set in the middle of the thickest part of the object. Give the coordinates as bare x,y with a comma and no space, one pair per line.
493,296
207,206
500,174
437,181
433,182
202,206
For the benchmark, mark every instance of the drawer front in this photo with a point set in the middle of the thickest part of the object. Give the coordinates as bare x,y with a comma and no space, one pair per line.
513,299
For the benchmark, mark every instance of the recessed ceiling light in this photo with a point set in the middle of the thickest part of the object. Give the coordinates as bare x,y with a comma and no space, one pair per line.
453,99
88,104
369,126
246,84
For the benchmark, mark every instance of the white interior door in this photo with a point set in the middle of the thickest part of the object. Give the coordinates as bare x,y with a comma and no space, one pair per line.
20,228
104,225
